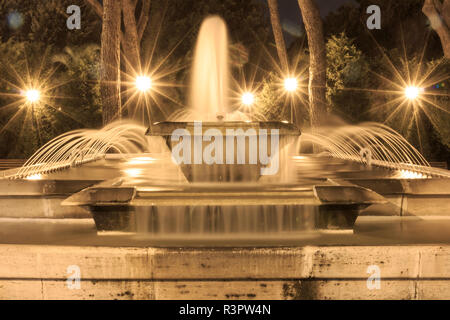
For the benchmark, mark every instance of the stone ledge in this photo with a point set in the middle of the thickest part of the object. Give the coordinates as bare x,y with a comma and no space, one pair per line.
308,262
309,272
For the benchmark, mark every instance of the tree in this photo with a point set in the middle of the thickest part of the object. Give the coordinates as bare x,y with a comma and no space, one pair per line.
80,72
131,42
134,29
30,21
26,47
439,15
412,30
133,32
110,62
70,94
110,12
318,62
346,68
278,34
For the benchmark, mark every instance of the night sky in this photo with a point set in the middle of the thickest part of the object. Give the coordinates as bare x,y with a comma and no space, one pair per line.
291,17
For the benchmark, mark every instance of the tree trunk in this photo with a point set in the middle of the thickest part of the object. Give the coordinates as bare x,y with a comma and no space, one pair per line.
439,16
318,62
131,51
131,38
110,61
278,35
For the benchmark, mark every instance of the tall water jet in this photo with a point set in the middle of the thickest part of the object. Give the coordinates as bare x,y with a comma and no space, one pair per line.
210,71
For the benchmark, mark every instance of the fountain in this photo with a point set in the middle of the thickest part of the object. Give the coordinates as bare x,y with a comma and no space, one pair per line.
209,104
218,173
211,177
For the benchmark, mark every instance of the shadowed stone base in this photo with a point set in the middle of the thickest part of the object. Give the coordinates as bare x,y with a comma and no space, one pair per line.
225,290
312,272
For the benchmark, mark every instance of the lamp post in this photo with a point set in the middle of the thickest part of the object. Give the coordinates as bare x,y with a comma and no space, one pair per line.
291,85
33,97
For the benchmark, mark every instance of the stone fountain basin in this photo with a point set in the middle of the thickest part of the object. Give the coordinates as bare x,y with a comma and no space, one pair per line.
225,172
135,209
22,198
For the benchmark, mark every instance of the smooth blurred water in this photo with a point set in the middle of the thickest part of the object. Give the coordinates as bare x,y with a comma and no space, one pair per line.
210,71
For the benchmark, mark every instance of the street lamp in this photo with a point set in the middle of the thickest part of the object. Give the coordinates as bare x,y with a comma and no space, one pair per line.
143,83
32,95
412,93
248,98
290,84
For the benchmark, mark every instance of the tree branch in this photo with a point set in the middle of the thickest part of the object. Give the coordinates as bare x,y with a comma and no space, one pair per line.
98,8
438,6
143,18
438,22
445,12
278,34
131,41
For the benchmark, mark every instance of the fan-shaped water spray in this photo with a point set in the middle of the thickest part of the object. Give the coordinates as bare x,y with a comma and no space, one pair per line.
370,143
81,146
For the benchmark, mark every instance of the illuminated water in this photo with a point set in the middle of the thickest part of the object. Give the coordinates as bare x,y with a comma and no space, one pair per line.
210,71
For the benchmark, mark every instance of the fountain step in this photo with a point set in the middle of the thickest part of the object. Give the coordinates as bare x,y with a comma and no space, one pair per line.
207,195
39,207
43,187
223,209
405,186
414,227
412,205
40,198
406,197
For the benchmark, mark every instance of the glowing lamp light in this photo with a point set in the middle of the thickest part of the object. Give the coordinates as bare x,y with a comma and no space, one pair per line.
248,98
290,84
143,83
32,95
412,93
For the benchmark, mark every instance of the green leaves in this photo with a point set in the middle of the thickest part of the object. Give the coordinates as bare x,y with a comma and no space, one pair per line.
347,68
